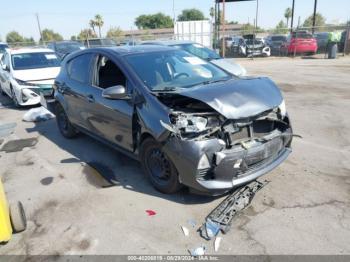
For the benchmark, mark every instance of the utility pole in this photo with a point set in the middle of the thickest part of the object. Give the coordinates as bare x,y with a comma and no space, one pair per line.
223,29
174,19
38,21
291,24
314,18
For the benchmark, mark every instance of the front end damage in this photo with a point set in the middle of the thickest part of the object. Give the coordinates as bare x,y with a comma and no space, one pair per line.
214,154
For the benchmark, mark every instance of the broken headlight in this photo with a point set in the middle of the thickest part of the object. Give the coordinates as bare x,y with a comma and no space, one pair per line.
191,124
282,108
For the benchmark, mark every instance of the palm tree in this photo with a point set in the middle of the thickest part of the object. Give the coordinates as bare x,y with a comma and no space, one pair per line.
288,14
99,23
92,24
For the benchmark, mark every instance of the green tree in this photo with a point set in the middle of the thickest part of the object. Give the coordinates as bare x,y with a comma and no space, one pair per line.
99,23
320,20
115,32
49,35
14,37
288,15
86,34
281,28
191,15
158,20
73,38
250,29
92,24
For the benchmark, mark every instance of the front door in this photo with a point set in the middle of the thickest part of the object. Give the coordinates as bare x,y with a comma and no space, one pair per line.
109,119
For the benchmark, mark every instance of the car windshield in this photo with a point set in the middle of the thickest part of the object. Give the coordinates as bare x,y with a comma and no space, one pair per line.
199,50
34,60
302,35
170,70
66,48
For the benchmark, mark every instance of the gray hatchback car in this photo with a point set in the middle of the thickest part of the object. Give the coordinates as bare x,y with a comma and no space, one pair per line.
188,122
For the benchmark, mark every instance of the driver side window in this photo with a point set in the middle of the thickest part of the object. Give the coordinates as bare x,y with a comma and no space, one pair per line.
108,74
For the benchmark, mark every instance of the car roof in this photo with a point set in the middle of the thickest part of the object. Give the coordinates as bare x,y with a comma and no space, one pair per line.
136,49
15,51
168,42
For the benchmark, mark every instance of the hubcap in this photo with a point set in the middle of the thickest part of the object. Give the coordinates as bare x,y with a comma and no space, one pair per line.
158,165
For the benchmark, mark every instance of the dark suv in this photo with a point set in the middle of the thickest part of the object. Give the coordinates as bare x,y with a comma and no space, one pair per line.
187,121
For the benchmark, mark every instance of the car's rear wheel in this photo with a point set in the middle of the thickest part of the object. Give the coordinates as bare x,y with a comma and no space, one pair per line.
64,125
158,167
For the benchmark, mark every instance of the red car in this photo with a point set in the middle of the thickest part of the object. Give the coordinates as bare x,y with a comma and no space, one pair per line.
300,43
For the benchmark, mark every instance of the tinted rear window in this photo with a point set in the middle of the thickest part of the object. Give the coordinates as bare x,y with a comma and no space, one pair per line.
278,38
302,35
79,68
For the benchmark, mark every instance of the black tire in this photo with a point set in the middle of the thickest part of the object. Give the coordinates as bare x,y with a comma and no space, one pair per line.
158,167
14,98
18,217
2,92
63,123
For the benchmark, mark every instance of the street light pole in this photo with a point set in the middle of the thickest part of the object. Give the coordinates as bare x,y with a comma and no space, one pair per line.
223,29
38,21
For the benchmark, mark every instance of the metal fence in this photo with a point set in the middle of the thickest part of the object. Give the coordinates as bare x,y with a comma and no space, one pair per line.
136,36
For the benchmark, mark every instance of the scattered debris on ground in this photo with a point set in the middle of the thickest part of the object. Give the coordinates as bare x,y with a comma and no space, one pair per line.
198,251
217,243
18,145
221,217
151,212
46,181
185,231
37,115
7,129
192,222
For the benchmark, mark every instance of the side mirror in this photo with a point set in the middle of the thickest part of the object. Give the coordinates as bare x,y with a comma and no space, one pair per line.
115,93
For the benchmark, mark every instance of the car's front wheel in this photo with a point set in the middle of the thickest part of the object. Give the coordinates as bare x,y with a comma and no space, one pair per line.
63,123
14,98
158,167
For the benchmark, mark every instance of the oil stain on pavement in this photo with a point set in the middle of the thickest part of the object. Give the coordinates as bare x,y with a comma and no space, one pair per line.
99,175
18,145
46,181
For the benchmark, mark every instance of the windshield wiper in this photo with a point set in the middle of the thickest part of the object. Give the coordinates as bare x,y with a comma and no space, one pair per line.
165,89
210,82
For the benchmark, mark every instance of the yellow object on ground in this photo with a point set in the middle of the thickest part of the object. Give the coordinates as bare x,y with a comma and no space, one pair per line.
5,223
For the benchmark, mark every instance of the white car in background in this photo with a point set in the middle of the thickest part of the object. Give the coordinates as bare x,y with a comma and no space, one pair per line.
203,53
3,47
27,73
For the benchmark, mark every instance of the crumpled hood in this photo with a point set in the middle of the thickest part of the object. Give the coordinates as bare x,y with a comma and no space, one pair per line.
34,75
232,68
238,98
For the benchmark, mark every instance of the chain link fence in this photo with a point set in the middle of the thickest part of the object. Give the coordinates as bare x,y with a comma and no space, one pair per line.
235,37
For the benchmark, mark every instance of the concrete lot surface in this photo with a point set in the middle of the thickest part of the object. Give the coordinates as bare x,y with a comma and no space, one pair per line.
305,209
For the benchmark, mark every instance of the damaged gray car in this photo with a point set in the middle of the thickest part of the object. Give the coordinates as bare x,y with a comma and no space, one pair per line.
188,122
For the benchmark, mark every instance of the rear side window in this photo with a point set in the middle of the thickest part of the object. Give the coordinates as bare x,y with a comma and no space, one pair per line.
79,68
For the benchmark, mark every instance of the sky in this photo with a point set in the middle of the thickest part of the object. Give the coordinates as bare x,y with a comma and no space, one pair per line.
68,17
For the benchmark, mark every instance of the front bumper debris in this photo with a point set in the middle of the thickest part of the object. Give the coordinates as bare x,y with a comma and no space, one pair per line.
220,218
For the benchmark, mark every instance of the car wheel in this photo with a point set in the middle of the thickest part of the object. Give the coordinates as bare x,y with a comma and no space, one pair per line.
158,167
14,98
63,123
2,92
18,217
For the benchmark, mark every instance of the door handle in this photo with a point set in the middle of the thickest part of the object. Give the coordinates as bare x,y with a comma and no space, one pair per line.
90,98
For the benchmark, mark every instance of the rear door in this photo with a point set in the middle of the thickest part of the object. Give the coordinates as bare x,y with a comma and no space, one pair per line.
74,86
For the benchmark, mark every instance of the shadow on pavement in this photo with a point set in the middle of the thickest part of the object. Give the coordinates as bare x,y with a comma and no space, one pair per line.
106,167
